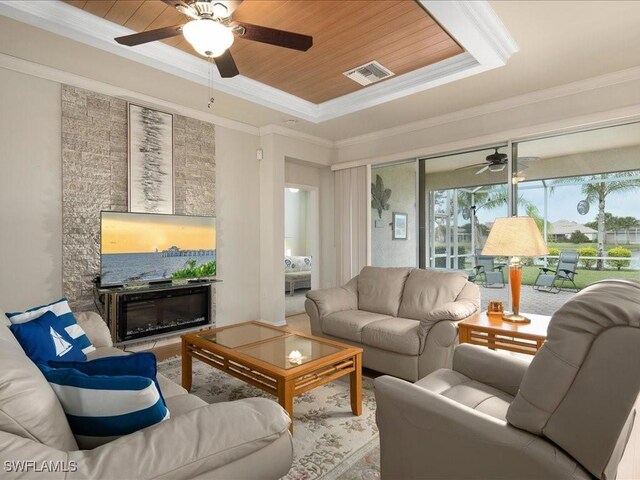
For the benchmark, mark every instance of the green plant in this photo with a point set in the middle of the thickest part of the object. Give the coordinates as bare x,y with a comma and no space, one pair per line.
555,252
190,270
441,262
587,252
578,237
619,252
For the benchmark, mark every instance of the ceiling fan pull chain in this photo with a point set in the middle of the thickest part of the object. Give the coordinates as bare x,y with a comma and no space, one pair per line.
211,99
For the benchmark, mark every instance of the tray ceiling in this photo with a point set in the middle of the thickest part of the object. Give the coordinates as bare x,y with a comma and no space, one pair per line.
399,34
454,40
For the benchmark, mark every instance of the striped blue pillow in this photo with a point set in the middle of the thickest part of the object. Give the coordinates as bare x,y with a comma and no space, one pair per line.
101,408
61,309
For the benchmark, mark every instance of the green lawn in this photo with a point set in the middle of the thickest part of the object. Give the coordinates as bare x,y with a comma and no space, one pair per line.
583,277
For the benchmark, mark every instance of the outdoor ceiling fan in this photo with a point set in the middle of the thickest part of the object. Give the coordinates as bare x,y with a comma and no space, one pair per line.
496,162
211,32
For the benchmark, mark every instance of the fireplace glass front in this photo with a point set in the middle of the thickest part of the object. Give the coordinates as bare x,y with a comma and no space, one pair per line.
148,313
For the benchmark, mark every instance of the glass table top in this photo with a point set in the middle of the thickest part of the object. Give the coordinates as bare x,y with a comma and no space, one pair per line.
290,351
234,337
278,348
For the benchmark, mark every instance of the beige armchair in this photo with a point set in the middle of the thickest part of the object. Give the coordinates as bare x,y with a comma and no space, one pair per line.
569,414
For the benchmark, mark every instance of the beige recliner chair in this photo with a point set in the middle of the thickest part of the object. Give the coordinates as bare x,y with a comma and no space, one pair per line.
569,414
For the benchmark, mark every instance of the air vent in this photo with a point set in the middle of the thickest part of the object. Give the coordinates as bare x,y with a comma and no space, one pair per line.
369,73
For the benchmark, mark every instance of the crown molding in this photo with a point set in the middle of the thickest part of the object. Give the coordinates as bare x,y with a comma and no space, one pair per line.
476,27
472,23
565,126
59,76
567,89
274,129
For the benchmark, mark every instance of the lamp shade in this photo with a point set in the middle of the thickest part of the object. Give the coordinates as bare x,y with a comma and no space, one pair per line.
515,237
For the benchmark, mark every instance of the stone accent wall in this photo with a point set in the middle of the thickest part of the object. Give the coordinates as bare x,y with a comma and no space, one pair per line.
194,166
95,178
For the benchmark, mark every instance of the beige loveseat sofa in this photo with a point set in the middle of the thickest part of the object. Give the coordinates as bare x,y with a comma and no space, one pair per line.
242,439
403,318
569,414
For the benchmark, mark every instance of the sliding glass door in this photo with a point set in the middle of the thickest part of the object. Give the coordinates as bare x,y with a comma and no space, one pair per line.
463,194
582,189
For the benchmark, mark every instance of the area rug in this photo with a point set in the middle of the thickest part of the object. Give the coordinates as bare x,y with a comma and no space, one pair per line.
329,441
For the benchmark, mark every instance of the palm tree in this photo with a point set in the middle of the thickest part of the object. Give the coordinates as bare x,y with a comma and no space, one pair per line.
496,196
596,188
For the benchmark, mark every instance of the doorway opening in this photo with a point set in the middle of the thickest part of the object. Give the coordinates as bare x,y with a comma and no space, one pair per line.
301,245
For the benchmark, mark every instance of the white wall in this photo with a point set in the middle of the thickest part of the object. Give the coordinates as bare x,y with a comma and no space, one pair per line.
385,251
238,220
277,149
31,203
298,172
30,191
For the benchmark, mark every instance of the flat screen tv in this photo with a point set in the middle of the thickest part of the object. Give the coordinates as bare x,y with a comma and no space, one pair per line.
146,247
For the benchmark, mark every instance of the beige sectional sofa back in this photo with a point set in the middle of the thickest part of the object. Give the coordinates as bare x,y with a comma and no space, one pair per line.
30,408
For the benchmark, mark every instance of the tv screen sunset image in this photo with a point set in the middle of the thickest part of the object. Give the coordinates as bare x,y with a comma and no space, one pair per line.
138,247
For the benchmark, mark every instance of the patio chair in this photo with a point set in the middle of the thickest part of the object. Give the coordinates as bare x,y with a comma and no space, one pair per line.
487,272
552,281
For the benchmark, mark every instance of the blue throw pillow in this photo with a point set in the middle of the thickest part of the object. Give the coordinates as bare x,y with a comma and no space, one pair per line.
61,309
101,408
46,338
141,364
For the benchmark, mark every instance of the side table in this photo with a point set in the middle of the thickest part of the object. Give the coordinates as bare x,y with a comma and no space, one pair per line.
489,330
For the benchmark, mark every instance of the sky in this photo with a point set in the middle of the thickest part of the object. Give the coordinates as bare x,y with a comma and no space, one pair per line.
139,233
562,205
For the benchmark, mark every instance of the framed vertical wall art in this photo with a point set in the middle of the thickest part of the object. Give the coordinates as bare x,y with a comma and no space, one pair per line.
151,186
399,226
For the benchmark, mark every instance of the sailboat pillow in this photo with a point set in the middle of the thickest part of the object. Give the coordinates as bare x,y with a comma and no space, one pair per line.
46,338
62,310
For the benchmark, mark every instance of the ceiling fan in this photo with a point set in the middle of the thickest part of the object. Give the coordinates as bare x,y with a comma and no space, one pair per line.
211,32
496,162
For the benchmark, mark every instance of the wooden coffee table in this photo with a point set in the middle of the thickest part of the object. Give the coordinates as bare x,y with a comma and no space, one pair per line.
260,354
489,330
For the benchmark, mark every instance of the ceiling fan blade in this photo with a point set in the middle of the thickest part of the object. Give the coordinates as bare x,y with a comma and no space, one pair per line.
280,38
150,35
182,7
483,169
226,65
471,166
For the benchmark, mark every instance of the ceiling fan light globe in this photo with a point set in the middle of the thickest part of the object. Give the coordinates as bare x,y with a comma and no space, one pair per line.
497,167
208,37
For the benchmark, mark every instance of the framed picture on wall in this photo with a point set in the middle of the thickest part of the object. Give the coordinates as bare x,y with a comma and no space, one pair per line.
399,226
150,160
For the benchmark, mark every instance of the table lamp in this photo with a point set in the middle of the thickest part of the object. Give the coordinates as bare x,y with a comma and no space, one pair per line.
515,237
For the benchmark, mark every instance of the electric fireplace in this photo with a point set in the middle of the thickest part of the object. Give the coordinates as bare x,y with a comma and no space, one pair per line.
147,313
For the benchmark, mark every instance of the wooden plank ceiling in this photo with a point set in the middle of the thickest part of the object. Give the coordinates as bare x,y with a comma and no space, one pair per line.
399,34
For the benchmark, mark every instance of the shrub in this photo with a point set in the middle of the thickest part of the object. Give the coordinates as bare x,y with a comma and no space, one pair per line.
553,261
441,262
619,252
578,237
587,252
190,270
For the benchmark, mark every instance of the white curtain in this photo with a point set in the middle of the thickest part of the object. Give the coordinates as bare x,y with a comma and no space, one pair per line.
351,209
